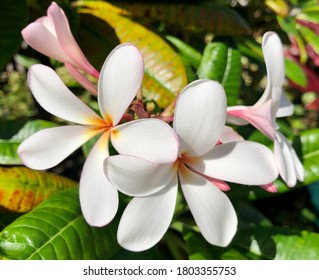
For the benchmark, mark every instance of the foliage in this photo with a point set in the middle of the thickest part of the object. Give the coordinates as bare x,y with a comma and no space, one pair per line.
40,215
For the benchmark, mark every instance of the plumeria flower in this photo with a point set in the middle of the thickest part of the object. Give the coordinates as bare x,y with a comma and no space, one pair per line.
201,164
51,35
271,105
120,80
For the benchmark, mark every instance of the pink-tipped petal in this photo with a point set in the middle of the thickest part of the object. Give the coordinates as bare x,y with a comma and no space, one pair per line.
269,187
260,117
243,162
210,207
51,93
98,197
234,115
82,80
146,219
42,40
200,116
150,139
137,177
48,147
67,41
120,80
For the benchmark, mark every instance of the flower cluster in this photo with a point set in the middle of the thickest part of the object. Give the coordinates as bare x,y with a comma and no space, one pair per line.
198,152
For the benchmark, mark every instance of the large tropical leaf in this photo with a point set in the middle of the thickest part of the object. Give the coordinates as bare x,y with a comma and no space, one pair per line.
10,28
165,74
259,242
222,63
21,189
57,230
199,18
9,147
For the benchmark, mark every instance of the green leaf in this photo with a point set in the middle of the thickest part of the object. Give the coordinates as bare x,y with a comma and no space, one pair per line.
288,24
310,37
192,55
258,242
165,74
249,47
56,230
21,189
309,141
295,73
10,28
222,63
9,147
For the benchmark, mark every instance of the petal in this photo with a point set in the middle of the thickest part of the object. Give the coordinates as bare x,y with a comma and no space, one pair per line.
150,139
230,135
261,118
297,164
269,187
286,108
234,115
120,79
48,147
137,177
284,160
200,116
40,38
210,207
244,162
146,219
82,80
51,93
274,59
67,41
98,197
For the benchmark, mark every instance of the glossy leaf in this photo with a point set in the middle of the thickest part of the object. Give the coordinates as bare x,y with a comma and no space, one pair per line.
295,73
222,63
310,37
199,18
259,242
21,189
309,141
288,24
10,28
165,74
8,147
56,230
193,56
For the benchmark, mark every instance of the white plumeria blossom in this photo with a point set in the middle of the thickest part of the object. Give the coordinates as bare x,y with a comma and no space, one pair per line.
199,122
272,104
119,82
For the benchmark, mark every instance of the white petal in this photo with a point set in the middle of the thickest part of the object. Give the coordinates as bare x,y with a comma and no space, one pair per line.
274,59
297,164
150,139
48,147
137,177
244,162
200,116
120,79
284,160
146,219
230,135
51,93
98,197
210,207
286,108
